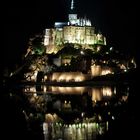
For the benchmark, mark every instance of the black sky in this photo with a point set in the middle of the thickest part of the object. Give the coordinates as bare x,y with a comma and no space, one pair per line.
116,19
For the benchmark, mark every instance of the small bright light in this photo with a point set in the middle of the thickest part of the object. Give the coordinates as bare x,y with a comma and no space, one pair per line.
82,52
111,48
113,118
82,114
125,70
11,74
11,95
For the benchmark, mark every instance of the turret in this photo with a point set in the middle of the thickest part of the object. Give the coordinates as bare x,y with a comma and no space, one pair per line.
72,15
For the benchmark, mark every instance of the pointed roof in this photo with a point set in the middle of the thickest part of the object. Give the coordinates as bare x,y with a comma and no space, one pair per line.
72,5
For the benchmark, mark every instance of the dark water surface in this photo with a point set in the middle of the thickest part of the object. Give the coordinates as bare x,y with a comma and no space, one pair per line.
93,112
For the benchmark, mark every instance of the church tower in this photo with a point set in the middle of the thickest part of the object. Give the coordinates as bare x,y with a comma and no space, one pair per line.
72,15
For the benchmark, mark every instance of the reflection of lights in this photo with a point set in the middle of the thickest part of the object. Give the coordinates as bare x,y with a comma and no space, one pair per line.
81,130
82,114
55,116
73,126
44,88
113,118
107,91
109,113
99,117
45,128
96,94
69,90
70,125
127,88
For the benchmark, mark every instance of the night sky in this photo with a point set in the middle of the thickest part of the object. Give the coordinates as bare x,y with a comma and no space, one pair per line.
116,19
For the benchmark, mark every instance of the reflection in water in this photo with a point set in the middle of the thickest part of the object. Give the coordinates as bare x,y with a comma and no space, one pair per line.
68,90
84,129
72,113
80,131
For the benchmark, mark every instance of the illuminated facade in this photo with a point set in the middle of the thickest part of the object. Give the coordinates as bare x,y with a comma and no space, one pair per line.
69,76
77,53
76,31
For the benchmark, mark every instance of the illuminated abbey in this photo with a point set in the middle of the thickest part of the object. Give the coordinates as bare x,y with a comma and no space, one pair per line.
76,31
73,51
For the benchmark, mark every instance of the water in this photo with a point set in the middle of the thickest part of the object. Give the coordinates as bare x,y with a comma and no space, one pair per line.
93,112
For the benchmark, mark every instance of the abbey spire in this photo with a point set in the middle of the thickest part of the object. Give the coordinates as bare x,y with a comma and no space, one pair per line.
72,5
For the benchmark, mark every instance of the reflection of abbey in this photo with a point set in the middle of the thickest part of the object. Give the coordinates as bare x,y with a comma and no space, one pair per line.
73,51
76,31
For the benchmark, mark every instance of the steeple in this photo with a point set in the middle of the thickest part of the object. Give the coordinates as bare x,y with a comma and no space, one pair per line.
72,5
72,15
